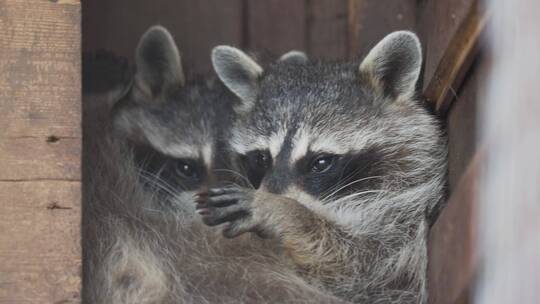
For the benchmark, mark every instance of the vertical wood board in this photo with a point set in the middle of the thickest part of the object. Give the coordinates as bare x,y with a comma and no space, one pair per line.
40,141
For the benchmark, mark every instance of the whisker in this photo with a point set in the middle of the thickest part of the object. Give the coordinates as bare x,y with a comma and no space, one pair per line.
354,195
157,181
343,179
238,174
349,184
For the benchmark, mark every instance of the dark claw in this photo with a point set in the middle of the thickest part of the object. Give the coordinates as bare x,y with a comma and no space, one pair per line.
200,197
217,216
221,202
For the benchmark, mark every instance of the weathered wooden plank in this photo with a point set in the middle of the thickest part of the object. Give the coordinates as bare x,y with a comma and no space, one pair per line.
327,27
456,60
39,244
452,242
38,86
39,151
38,158
438,22
371,20
197,25
276,26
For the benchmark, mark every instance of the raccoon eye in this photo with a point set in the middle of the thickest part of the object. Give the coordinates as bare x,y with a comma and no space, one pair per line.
263,160
322,163
186,169
260,159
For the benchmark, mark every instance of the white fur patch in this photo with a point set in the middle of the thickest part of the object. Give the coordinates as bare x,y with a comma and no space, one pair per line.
300,145
179,151
275,142
243,143
328,144
207,153
239,145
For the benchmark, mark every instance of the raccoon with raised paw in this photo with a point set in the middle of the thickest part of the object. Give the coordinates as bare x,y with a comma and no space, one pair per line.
345,167
151,142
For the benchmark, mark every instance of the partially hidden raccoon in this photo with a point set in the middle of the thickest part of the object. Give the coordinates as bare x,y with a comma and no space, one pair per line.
345,166
150,144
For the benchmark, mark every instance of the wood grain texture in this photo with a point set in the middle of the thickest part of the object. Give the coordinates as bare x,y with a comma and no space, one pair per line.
197,26
371,20
39,243
39,151
437,23
327,26
276,26
456,59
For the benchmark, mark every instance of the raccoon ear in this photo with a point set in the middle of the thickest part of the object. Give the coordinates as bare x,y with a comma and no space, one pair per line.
394,64
158,62
294,57
238,72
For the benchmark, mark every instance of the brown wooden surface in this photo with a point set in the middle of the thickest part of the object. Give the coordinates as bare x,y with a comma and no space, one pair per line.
452,243
327,27
39,151
197,26
456,59
462,122
324,28
371,20
276,25
437,23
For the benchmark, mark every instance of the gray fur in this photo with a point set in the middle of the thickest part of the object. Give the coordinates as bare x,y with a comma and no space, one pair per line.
366,244
141,243
134,253
238,71
158,63
294,57
394,64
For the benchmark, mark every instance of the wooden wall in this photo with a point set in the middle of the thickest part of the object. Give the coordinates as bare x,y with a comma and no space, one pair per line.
40,144
323,28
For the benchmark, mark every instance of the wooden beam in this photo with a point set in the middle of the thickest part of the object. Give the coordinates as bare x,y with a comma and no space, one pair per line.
40,146
456,60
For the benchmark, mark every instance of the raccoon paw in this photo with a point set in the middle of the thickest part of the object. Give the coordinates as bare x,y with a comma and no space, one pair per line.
230,205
